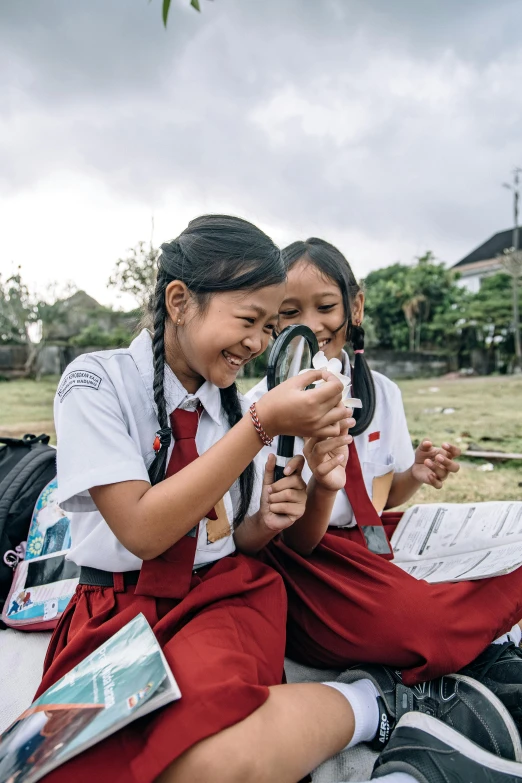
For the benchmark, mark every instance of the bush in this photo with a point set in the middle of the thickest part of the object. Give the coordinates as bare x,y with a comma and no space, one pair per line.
93,336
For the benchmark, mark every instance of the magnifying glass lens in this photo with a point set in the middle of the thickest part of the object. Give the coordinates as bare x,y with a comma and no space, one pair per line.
296,357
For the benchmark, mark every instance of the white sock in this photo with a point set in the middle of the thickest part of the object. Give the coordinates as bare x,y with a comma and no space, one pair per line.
362,696
514,635
396,777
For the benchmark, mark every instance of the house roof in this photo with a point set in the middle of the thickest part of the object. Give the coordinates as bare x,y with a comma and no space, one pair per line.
494,247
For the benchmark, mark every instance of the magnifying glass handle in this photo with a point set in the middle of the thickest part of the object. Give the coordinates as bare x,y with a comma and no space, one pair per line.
285,452
278,473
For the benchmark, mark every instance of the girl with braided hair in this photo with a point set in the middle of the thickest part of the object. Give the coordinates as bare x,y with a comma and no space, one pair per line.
347,604
156,453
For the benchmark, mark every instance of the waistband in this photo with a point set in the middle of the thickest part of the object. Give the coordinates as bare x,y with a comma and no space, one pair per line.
97,578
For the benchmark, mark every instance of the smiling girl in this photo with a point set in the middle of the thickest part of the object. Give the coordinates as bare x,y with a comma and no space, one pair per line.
347,603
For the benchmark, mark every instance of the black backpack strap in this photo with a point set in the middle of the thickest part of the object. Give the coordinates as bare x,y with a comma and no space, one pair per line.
27,441
36,458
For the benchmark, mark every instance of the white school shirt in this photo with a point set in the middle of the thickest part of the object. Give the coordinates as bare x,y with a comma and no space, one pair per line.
384,446
106,423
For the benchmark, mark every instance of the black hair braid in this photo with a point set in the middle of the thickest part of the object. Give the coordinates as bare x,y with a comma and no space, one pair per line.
362,384
159,464
215,253
232,407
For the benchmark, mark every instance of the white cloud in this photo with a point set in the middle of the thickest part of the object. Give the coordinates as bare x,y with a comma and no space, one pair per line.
387,128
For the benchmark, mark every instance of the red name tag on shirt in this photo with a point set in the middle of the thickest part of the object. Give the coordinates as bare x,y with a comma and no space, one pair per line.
373,436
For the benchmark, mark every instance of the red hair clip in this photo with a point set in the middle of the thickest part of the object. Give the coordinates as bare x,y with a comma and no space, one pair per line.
163,438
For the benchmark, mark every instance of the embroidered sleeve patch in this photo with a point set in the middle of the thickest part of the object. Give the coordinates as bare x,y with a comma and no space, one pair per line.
373,436
78,379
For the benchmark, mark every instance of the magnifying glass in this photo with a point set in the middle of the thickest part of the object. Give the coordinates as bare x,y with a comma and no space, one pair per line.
292,352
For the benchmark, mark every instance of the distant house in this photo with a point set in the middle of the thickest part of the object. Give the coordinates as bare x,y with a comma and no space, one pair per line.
484,260
70,317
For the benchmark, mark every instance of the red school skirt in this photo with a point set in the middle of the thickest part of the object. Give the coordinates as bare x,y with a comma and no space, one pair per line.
347,605
224,643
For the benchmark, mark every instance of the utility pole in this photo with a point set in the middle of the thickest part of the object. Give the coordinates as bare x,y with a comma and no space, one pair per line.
512,263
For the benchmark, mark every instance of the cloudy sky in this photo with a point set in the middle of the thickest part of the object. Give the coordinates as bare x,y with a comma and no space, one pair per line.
385,126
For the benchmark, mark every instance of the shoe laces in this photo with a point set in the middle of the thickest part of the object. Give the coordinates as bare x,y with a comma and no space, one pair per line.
495,655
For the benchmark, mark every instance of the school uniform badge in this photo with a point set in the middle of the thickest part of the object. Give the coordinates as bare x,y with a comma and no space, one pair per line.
78,379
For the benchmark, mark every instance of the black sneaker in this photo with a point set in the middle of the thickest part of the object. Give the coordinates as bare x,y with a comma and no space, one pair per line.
459,701
432,752
499,668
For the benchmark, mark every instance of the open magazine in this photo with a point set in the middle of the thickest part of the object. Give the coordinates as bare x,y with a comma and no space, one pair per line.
454,542
124,679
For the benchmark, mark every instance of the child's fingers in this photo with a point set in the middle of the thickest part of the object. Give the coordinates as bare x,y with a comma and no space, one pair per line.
323,447
326,396
309,445
451,450
334,416
305,379
289,482
425,446
295,466
268,477
436,468
292,510
435,482
448,464
346,424
288,495
326,467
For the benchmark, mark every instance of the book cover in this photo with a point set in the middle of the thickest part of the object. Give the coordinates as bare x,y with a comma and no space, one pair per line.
125,678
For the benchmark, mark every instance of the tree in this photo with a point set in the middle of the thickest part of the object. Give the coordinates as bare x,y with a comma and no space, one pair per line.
405,302
412,309
17,310
383,305
512,263
136,274
486,319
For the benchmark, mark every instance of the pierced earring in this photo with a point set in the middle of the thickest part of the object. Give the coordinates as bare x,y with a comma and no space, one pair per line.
357,321
178,322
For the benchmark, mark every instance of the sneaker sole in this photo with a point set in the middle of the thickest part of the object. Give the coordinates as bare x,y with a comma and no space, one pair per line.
500,708
459,743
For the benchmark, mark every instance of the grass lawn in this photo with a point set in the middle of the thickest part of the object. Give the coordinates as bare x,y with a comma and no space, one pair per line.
487,414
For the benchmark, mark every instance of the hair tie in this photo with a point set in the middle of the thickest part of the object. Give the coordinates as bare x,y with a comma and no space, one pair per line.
360,350
163,438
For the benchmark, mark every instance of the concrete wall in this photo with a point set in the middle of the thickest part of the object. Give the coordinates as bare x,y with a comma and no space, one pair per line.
12,360
406,364
52,359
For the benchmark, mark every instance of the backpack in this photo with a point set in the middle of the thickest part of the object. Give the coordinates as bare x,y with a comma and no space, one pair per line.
26,466
44,582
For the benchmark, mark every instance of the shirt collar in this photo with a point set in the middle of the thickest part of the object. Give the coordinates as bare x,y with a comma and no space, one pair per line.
175,393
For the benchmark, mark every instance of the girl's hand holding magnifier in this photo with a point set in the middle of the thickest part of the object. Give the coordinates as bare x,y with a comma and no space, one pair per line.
327,457
284,501
292,409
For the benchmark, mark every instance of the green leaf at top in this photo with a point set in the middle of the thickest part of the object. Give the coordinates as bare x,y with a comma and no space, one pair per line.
195,4
166,6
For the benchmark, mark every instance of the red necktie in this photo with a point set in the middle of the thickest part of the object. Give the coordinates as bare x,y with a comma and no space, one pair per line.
169,574
368,520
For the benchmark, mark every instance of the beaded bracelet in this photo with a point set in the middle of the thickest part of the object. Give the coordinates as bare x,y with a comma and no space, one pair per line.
258,426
